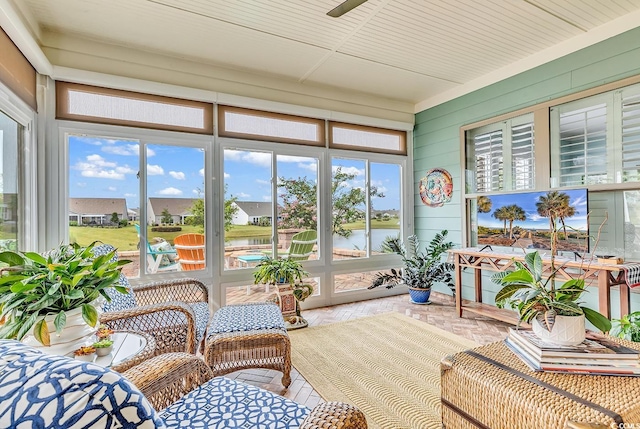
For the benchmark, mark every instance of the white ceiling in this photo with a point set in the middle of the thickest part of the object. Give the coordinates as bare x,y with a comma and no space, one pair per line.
413,51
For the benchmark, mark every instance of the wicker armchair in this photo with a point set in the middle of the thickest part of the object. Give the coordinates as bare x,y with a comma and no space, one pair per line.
174,312
182,386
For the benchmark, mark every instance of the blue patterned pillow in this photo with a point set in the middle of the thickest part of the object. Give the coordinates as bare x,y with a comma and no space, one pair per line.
39,390
119,301
246,317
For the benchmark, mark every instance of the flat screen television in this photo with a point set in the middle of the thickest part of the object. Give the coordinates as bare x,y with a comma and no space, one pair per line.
517,220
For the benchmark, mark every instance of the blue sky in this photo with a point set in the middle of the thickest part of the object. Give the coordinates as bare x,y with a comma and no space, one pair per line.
107,168
577,198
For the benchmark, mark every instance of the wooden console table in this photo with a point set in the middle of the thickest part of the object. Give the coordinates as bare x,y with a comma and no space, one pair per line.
604,275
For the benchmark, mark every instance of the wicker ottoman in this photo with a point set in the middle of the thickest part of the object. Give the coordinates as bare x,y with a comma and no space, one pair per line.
490,387
248,336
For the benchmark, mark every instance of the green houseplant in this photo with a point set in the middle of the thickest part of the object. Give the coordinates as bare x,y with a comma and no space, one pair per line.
627,327
421,269
537,298
542,302
35,287
287,275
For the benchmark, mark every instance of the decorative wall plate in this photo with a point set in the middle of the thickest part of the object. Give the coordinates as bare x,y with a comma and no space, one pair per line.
436,187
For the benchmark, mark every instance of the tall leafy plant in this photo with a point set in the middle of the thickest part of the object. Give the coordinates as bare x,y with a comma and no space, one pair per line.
34,286
421,269
537,297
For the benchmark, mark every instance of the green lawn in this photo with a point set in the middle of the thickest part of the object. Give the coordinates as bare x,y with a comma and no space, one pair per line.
127,239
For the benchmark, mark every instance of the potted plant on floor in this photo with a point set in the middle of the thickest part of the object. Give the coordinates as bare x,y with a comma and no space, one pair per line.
51,300
421,269
287,275
554,311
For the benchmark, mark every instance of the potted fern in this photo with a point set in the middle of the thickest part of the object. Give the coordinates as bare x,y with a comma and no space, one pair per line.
421,269
51,300
287,276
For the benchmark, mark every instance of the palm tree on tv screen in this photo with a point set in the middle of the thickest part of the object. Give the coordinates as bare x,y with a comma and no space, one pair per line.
513,213
555,205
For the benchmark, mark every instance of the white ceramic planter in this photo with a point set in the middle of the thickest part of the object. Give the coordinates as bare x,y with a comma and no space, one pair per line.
567,330
75,334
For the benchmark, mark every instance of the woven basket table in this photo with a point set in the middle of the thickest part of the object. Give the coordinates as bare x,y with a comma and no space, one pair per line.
490,387
248,336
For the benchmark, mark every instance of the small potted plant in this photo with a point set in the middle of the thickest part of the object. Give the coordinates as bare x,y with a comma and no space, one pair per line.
104,333
554,310
42,294
85,353
287,275
103,347
421,269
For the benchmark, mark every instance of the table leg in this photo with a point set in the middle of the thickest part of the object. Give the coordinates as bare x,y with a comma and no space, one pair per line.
478,284
625,299
458,279
604,295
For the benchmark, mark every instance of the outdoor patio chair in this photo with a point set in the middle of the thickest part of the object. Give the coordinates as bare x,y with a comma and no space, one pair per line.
158,260
190,248
174,390
175,312
301,246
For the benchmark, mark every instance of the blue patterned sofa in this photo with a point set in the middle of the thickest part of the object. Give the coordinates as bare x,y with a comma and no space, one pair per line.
174,312
39,390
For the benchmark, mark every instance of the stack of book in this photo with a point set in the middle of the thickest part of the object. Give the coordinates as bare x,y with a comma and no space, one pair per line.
596,355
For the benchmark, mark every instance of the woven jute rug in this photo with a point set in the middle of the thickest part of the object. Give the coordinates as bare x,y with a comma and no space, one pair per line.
388,365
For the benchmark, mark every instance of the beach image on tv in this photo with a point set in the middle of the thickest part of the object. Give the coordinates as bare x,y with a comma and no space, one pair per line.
522,220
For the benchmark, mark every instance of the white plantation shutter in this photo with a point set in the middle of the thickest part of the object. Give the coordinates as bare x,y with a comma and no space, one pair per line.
489,161
522,156
501,155
582,145
631,138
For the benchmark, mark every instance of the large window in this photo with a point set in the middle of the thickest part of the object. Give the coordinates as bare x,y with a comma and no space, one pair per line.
500,156
596,140
139,195
11,134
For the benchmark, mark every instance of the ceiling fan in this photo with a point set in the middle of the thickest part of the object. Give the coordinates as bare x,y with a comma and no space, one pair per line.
344,7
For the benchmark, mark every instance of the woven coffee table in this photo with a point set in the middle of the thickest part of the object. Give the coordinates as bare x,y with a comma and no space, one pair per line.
248,336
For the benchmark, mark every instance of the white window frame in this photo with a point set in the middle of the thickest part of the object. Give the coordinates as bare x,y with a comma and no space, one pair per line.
145,137
28,186
506,126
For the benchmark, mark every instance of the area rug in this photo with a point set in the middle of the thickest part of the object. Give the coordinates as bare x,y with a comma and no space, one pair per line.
387,365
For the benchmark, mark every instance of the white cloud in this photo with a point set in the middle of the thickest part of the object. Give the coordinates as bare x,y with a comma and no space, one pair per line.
124,150
170,191
313,166
128,195
96,166
196,191
178,175
263,182
154,170
289,158
242,195
349,170
150,153
81,184
266,198
201,171
227,175
112,188
262,159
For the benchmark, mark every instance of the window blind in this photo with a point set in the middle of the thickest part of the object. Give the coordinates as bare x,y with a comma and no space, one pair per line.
522,157
582,146
488,149
631,138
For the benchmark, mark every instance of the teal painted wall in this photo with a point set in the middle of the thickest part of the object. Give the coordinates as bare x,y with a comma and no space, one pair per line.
437,130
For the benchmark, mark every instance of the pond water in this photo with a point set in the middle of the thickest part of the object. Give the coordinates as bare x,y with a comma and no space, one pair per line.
354,241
